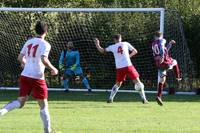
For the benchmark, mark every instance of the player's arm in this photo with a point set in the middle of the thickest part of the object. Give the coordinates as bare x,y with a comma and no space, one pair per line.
48,65
169,45
133,53
61,59
99,48
77,61
162,50
21,58
77,58
44,58
132,49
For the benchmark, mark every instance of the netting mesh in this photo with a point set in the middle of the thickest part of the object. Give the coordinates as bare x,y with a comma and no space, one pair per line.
81,27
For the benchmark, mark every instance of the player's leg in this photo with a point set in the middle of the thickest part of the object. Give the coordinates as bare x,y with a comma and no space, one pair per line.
176,69
65,83
67,75
120,77
40,93
114,90
161,81
19,103
45,116
24,91
139,86
85,82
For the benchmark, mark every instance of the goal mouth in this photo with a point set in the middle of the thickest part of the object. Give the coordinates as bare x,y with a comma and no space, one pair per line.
82,25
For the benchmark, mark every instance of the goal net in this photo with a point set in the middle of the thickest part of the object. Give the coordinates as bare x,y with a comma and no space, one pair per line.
82,25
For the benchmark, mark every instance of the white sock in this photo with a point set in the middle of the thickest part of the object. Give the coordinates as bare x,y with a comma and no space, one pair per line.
142,94
45,116
140,88
115,88
10,106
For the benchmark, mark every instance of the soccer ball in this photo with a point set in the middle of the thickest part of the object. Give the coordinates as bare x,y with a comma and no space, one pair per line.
138,86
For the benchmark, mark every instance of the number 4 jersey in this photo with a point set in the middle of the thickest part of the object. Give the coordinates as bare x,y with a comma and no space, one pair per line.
121,54
33,49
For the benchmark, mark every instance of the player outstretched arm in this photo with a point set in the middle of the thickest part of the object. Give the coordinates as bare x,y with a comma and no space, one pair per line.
169,45
48,64
99,48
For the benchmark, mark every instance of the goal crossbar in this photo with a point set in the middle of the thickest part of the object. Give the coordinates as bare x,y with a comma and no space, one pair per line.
82,9
161,10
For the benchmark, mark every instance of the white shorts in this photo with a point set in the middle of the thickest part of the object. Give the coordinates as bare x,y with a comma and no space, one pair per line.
163,73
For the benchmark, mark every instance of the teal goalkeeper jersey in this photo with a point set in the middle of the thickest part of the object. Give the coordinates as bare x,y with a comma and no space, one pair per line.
70,58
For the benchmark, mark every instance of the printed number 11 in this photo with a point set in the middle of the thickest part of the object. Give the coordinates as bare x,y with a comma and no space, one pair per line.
30,46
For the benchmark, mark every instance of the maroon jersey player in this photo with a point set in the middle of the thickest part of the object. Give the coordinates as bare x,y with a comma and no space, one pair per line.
163,61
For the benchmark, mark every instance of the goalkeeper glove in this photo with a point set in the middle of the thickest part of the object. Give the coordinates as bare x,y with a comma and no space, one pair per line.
73,67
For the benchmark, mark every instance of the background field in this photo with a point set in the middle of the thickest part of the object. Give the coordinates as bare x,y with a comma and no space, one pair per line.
80,112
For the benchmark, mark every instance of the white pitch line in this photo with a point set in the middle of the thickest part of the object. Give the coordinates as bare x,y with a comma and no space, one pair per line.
102,90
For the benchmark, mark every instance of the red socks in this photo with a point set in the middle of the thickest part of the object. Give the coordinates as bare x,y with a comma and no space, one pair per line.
177,71
160,89
160,85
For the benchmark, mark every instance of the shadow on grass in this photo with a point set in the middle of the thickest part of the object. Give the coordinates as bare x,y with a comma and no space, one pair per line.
7,95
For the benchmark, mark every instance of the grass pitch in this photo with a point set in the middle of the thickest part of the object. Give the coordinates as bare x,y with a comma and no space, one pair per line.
80,112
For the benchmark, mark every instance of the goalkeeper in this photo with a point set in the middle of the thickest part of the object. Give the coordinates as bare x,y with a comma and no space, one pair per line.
69,62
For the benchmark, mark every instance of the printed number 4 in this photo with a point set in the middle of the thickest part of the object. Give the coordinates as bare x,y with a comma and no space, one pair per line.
30,46
120,50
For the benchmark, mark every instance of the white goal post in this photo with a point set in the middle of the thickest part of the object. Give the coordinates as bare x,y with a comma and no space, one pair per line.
161,10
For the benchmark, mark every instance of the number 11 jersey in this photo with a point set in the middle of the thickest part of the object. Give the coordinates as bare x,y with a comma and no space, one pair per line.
33,50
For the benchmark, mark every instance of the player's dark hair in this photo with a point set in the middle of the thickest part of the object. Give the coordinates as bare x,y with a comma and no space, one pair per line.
41,27
158,34
117,36
29,37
